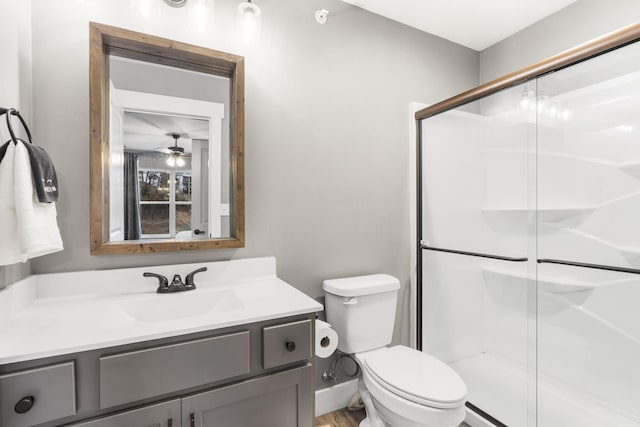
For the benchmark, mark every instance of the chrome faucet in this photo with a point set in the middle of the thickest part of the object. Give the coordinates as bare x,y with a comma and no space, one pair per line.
176,283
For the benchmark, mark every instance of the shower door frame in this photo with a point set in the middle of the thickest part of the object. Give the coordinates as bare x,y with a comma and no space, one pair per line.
593,48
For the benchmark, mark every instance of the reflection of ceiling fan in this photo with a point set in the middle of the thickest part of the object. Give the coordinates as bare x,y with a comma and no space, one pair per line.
175,152
173,149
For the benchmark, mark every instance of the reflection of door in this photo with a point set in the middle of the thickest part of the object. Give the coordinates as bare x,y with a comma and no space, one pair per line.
200,196
209,194
116,167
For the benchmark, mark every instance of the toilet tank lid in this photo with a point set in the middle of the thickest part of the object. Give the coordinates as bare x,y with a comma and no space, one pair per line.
361,285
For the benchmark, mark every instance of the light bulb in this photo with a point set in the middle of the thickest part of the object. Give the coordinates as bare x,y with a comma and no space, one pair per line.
200,13
179,161
249,16
145,8
171,161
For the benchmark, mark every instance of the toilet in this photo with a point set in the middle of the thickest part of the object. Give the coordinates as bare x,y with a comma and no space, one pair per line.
400,386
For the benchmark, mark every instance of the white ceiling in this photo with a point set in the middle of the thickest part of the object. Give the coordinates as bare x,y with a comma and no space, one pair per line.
476,24
147,132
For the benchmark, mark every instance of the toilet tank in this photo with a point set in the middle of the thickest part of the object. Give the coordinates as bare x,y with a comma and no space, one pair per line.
362,310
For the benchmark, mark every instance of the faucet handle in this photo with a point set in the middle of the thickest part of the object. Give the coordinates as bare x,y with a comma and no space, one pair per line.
163,282
189,280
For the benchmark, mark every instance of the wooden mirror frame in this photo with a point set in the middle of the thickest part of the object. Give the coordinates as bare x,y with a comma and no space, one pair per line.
105,40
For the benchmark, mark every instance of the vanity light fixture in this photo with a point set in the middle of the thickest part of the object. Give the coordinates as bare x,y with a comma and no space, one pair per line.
200,14
145,8
249,16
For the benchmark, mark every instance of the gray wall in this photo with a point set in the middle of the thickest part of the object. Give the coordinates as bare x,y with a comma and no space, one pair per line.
327,131
15,88
575,24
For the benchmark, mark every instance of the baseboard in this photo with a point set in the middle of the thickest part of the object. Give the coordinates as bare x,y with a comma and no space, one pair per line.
336,397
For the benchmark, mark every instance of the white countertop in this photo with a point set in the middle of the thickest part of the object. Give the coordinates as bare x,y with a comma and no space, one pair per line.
56,314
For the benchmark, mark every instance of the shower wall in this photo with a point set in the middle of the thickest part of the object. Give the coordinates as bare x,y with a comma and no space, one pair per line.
531,251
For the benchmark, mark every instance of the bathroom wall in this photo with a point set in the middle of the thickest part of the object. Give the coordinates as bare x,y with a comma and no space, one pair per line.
15,86
577,23
327,107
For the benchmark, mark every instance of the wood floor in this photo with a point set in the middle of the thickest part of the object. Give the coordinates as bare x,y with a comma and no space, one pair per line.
341,418
345,418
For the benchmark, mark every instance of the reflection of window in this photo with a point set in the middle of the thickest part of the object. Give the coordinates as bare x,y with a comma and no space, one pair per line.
165,202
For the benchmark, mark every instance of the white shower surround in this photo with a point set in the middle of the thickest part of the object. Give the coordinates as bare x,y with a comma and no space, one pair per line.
571,339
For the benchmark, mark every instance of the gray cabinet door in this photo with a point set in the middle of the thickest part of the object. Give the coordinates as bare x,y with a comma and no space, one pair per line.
166,414
284,399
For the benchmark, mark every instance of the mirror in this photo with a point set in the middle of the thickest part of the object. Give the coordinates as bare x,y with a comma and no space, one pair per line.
167,122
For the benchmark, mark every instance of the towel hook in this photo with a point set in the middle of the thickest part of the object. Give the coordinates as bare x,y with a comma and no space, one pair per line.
13,112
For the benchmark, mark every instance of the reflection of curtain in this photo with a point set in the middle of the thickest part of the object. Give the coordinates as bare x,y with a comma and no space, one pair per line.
132,227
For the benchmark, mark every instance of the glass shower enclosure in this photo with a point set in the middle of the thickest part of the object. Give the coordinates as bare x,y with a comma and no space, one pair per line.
529,237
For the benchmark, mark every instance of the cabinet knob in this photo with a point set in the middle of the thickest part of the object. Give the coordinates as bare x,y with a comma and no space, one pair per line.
24,405
290,345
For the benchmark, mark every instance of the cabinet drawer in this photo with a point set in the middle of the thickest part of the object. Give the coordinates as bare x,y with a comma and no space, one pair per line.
287,343
138,375
51,388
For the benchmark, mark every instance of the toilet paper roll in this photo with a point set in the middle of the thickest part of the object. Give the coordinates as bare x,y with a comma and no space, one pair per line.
326,339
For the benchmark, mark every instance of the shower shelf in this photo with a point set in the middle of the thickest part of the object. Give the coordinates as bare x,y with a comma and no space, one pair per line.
544,214
546,284
554,154
632,169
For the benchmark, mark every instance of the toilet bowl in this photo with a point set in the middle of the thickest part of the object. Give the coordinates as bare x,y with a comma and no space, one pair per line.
400,386
409,388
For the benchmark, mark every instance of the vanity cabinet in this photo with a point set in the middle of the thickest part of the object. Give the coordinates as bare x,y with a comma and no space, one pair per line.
259,374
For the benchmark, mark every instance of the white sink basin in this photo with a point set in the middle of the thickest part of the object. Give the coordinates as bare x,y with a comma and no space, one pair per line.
173,306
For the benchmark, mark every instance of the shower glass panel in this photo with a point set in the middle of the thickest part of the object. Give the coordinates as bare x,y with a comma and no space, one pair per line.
589,208
474,164
478,285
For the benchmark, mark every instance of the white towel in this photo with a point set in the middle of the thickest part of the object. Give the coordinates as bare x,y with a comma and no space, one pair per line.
10,249
37,224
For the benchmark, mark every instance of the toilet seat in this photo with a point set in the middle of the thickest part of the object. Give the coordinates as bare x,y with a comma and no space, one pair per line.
415,376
